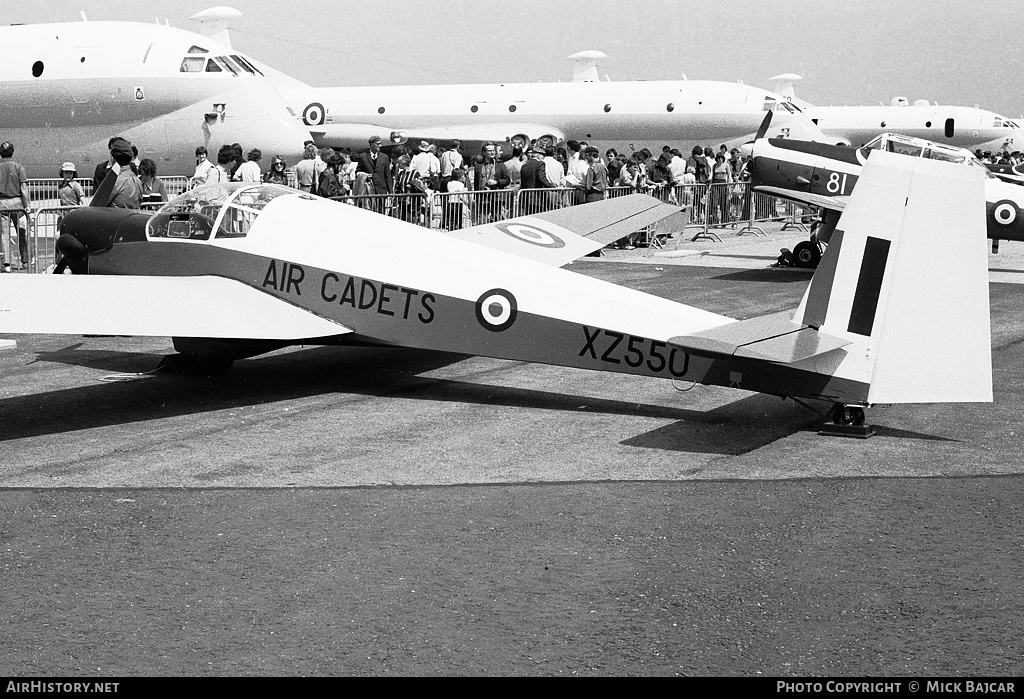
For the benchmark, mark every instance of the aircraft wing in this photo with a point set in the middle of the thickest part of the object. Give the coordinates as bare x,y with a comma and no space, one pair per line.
155,306
560,236
825,202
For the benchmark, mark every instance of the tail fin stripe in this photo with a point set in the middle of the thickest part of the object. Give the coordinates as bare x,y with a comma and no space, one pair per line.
869,286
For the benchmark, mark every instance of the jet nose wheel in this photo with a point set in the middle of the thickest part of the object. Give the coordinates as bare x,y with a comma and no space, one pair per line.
806,254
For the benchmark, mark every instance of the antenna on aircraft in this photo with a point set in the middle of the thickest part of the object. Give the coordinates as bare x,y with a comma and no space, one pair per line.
783,84
585,66
217,18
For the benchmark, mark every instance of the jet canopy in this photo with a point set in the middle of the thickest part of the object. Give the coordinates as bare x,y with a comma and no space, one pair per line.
225,210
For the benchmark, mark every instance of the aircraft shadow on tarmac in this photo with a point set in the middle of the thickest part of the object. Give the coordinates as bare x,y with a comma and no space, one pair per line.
735,428
785,275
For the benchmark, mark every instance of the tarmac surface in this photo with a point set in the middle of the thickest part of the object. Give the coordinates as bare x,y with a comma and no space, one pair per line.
354,511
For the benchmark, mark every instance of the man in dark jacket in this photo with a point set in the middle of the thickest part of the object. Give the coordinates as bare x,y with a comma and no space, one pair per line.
377,165
533,175
491,173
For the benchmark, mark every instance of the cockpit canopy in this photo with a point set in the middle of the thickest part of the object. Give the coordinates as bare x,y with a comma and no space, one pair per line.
920,148
214,210
771,104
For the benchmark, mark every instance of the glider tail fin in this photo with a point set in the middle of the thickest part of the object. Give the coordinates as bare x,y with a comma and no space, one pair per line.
905,280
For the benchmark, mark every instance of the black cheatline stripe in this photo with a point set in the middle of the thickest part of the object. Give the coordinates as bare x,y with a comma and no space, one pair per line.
869,286
822,281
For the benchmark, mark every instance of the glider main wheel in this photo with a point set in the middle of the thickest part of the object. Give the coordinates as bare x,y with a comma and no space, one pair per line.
848,415
806,254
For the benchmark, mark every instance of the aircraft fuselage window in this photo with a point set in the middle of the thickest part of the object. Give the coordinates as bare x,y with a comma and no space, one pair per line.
949,128
192,64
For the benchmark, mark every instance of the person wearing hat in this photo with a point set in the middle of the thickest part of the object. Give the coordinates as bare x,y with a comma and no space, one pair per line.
14,202
69,192
104,167
533,176
377,167
127,188
427,166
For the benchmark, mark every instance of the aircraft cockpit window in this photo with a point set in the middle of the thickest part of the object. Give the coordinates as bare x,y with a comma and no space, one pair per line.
221,65
197,49
232,66
788,106
944,156
245,65
192,64
246,62
905,148
769,104
874,144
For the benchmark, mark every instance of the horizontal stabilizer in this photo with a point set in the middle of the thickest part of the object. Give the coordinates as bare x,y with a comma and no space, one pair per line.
825,202
154,306
560,236
773,338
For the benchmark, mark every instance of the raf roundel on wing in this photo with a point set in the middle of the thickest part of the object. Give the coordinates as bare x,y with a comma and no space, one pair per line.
531,234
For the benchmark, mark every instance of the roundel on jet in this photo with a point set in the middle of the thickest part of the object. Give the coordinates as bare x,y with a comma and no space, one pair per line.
314,114
496,310
1005,213
531,234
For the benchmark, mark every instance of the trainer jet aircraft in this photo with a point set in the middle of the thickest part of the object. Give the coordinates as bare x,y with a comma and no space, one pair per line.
825,175
230,271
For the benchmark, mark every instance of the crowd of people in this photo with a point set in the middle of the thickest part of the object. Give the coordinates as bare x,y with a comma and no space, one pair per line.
579,171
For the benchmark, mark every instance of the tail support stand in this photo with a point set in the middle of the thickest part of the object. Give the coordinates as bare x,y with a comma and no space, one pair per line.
846,421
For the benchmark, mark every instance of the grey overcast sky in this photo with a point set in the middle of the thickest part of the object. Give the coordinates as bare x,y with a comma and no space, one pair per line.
862,52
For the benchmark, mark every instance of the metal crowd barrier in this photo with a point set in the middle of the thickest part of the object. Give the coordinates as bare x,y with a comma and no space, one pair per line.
703,208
